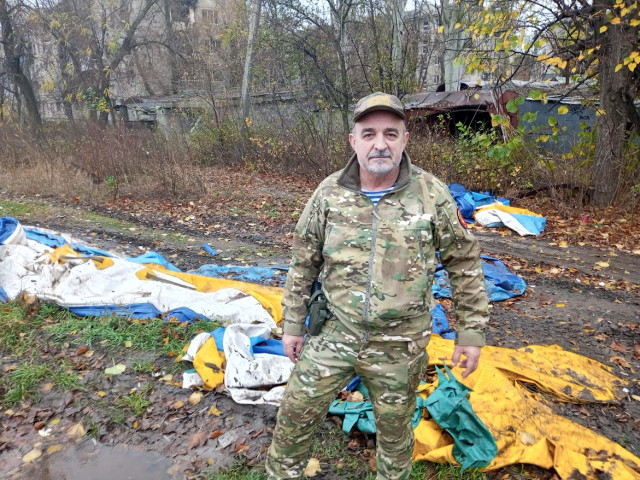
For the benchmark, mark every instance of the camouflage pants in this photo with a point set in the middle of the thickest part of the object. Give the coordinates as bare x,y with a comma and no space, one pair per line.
390,371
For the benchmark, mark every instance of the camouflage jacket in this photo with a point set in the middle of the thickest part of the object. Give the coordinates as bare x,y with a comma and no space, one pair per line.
376,264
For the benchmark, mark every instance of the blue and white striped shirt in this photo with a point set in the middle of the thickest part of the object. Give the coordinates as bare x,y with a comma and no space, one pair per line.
376,195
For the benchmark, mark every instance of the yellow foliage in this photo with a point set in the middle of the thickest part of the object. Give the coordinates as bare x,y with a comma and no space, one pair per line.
562,110
615,21
603,29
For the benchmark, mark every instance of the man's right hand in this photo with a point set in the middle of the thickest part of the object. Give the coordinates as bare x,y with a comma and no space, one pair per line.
292,346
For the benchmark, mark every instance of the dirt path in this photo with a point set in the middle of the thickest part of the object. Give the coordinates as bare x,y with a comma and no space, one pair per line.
572,300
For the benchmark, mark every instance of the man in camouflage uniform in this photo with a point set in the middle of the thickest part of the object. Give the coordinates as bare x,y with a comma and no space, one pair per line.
376,265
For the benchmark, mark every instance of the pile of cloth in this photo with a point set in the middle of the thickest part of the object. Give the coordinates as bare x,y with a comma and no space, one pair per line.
490,211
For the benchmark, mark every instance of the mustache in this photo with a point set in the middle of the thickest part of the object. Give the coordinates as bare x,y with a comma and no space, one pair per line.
379,154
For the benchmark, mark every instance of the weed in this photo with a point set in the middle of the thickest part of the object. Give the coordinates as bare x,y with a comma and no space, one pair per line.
154,335
22,209
23,382
136,401
142,366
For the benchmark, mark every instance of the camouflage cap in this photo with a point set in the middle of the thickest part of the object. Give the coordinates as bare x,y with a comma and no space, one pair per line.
378,101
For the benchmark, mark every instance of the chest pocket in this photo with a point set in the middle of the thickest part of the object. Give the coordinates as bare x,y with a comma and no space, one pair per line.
404,251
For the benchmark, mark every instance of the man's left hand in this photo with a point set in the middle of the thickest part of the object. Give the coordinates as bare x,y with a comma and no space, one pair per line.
470,362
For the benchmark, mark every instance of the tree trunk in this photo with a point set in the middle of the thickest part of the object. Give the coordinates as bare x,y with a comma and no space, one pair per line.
254,24
397,41
612,122
14,66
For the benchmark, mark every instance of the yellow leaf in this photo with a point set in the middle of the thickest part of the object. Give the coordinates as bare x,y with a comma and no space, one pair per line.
32,455
457,25
54,448
603,29
635,22
615,21
618,67
178,404
562,244
195,398
128,343
527,438
54,422
213,410
563,110
441,29
632,66
136,424
313,467
561,305
76,432
116,369
102,393
602,264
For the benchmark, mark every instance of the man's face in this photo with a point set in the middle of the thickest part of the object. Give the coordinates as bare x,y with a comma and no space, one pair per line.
378,140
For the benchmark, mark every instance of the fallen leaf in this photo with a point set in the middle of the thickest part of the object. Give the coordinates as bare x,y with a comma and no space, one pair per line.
32,455
561,305
615,346
101,394
213,410
54,448
242,448
636,397
602,264
116,369
198,439
373,464
128,344
136,424
167,378
89,353
636,351
215,434
355,397
82,350
313,467
47,387
601,337
76,432
195,398
527,438
178,404
620,361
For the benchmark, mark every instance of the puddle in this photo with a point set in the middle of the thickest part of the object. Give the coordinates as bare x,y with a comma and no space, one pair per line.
90,461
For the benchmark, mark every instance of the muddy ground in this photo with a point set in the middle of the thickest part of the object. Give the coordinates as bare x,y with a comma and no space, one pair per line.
571,300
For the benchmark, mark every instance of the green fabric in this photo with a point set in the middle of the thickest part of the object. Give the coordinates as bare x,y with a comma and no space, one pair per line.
449,405
360,414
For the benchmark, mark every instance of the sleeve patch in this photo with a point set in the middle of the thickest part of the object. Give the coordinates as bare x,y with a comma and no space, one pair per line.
461,219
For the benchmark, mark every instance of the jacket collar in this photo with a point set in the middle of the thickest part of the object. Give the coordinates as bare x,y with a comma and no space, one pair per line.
350,176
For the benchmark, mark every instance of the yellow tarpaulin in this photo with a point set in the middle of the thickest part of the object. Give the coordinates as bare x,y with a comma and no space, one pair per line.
269,297
525,428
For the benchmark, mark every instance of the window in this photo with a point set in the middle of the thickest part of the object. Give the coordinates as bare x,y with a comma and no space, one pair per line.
436,79
207,16
425,27
436,61
425,49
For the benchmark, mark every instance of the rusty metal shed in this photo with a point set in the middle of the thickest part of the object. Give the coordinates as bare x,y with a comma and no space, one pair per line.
443,110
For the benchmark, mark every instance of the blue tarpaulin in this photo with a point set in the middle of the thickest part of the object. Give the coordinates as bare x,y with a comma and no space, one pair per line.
469,201
262,275
501,284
